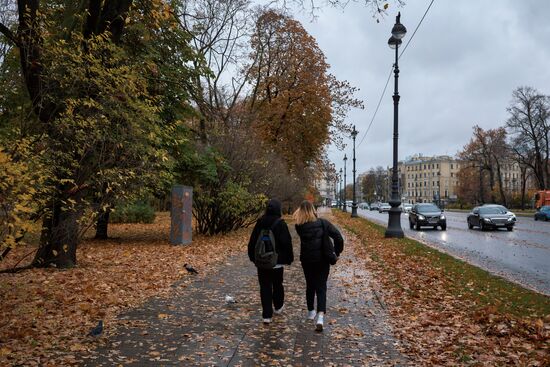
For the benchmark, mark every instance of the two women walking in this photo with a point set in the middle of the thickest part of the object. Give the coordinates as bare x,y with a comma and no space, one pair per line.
271,238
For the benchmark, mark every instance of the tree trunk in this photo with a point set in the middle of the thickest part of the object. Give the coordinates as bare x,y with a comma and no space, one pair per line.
523,186
492,184
500,187
202,131
59,239
481,199
102,224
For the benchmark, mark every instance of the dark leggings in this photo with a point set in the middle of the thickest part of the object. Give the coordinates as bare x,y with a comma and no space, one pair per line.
272,291
316,284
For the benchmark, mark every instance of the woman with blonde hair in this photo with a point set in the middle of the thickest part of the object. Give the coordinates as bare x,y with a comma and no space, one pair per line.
314,234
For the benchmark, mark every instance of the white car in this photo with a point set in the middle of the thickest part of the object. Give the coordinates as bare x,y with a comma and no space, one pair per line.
384,207
406,207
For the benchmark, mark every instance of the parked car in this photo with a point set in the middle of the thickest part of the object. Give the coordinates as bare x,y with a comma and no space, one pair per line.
384,207
406,207
374,206
363,206
427,215
543,213
491,217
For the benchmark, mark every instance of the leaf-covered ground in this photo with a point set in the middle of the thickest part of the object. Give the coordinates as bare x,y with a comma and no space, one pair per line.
45,314
442,311
195,326
449,313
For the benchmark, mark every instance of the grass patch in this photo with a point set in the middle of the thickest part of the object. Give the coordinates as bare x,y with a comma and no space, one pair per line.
463,280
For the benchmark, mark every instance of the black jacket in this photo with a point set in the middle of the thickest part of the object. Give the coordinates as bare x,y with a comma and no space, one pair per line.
311,238
285,254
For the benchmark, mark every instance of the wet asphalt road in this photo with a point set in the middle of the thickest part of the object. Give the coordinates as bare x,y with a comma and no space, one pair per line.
522,256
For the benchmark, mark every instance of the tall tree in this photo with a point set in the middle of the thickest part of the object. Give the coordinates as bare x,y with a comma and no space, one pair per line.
529,128
219,35
97,122
487,150
294,101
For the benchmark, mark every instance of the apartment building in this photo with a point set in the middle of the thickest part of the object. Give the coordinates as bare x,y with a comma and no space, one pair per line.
511,178
326,187
428,179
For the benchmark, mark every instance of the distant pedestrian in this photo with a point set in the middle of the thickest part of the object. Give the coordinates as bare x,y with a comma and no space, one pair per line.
270,248
314,233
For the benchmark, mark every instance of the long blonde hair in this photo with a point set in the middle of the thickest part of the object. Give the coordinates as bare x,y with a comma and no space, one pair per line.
305,213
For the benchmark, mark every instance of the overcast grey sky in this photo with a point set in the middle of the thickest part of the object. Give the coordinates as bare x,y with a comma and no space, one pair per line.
459,70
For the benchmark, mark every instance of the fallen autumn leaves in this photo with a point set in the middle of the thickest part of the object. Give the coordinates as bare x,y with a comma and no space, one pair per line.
46,313
440,324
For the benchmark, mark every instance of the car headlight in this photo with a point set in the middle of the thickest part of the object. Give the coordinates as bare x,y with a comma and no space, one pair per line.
442,217
512,219
421,217
486,220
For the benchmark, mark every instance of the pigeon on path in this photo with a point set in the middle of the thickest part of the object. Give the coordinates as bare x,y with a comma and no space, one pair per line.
96,331
190,269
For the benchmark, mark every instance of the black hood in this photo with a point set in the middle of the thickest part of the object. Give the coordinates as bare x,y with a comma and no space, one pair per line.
273,208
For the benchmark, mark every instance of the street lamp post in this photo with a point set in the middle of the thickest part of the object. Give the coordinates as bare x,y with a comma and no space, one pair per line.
340,191
337,189
345,170
394,229
354,205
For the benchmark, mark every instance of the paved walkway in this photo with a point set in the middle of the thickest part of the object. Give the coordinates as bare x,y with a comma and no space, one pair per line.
195,326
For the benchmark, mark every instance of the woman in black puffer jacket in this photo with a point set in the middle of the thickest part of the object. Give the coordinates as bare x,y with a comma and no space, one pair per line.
272,292
316,267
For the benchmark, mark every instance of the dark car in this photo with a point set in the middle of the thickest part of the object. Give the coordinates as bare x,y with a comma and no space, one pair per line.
543,213
491,217
427,215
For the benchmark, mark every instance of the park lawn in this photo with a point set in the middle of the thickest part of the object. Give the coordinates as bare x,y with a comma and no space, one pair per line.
449,312
47,313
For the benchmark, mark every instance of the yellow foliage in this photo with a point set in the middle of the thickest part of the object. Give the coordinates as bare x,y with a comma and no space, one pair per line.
18,182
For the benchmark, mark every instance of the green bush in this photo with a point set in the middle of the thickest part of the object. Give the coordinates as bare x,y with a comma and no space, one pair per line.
139,212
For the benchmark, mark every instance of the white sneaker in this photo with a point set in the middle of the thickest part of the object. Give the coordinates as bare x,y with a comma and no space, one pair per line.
267,321
311,315
319,323
279,311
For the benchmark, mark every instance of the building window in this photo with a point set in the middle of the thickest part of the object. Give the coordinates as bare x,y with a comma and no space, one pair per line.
451,166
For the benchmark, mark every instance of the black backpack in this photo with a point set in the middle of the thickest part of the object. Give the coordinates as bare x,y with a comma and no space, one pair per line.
328,246
265,252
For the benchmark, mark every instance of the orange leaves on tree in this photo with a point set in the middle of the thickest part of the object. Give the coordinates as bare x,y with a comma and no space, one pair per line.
291,100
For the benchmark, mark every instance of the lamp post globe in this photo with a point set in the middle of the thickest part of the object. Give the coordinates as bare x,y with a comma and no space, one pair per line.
394,42
394,229
398,31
